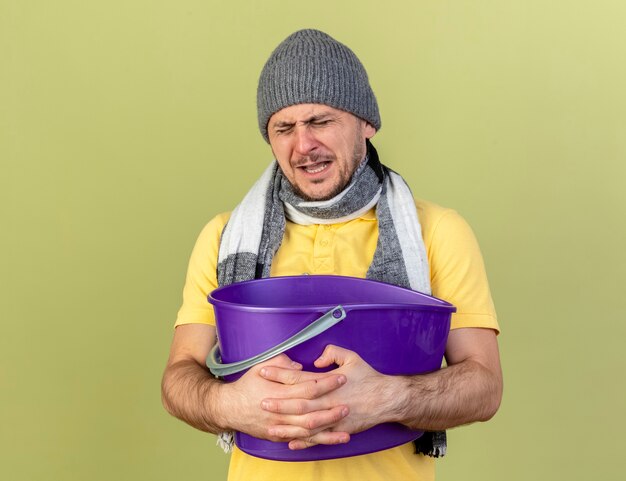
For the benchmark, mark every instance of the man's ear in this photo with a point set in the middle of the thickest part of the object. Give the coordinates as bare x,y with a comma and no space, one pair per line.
369,130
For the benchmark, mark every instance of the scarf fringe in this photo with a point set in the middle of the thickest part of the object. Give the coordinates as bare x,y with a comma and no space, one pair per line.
432,443
226,441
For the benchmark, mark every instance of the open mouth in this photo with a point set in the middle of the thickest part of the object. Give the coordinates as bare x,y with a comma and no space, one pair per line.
315,168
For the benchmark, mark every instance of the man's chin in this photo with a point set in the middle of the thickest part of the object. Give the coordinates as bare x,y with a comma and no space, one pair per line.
318,195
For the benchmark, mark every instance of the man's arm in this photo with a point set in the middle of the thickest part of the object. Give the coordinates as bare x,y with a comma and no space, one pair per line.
468,390
188,390
190,393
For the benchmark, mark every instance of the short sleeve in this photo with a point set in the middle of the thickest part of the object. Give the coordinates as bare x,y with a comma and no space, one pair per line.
457,269
202,275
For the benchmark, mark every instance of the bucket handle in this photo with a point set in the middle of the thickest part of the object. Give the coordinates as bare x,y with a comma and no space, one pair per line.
328,320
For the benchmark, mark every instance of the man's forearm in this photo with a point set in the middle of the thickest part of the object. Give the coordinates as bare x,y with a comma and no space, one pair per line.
190,393
456,395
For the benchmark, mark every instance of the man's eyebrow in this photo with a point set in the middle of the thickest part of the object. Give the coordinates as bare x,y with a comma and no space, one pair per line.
312,118
283,123
318,117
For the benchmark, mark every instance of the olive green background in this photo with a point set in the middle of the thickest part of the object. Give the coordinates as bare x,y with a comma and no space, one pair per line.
126,125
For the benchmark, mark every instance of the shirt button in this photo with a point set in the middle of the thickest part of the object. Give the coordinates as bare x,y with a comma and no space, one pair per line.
327,227
324,242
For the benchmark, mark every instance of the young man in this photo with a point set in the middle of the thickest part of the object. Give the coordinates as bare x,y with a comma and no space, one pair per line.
328,206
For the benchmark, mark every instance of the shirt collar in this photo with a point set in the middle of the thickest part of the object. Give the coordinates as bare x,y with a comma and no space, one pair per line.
369,215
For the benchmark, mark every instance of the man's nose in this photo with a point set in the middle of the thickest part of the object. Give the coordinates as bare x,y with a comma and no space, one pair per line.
305,140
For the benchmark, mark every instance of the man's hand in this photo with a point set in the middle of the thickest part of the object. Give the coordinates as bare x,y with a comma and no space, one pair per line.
365,394
192,394
246,403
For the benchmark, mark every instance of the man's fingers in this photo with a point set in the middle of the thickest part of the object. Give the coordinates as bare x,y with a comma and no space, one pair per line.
281,361
292,426
299,407
333,355
323,437
288,375
301,384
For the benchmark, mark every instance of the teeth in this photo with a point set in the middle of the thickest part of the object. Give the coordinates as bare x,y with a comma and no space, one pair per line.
317,169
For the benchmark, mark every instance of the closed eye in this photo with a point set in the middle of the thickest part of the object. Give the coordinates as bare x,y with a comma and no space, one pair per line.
283,129
320,123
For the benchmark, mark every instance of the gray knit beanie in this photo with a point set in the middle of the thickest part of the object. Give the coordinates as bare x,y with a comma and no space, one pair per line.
310,66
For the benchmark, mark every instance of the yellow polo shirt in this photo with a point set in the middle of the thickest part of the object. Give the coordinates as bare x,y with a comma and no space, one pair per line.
457,275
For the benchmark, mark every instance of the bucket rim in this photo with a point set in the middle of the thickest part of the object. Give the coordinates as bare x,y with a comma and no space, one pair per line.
439,306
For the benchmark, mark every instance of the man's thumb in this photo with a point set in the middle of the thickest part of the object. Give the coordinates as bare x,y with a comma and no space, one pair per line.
332,355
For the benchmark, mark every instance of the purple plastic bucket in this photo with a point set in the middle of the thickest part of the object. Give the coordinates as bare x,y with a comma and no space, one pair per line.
397,331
